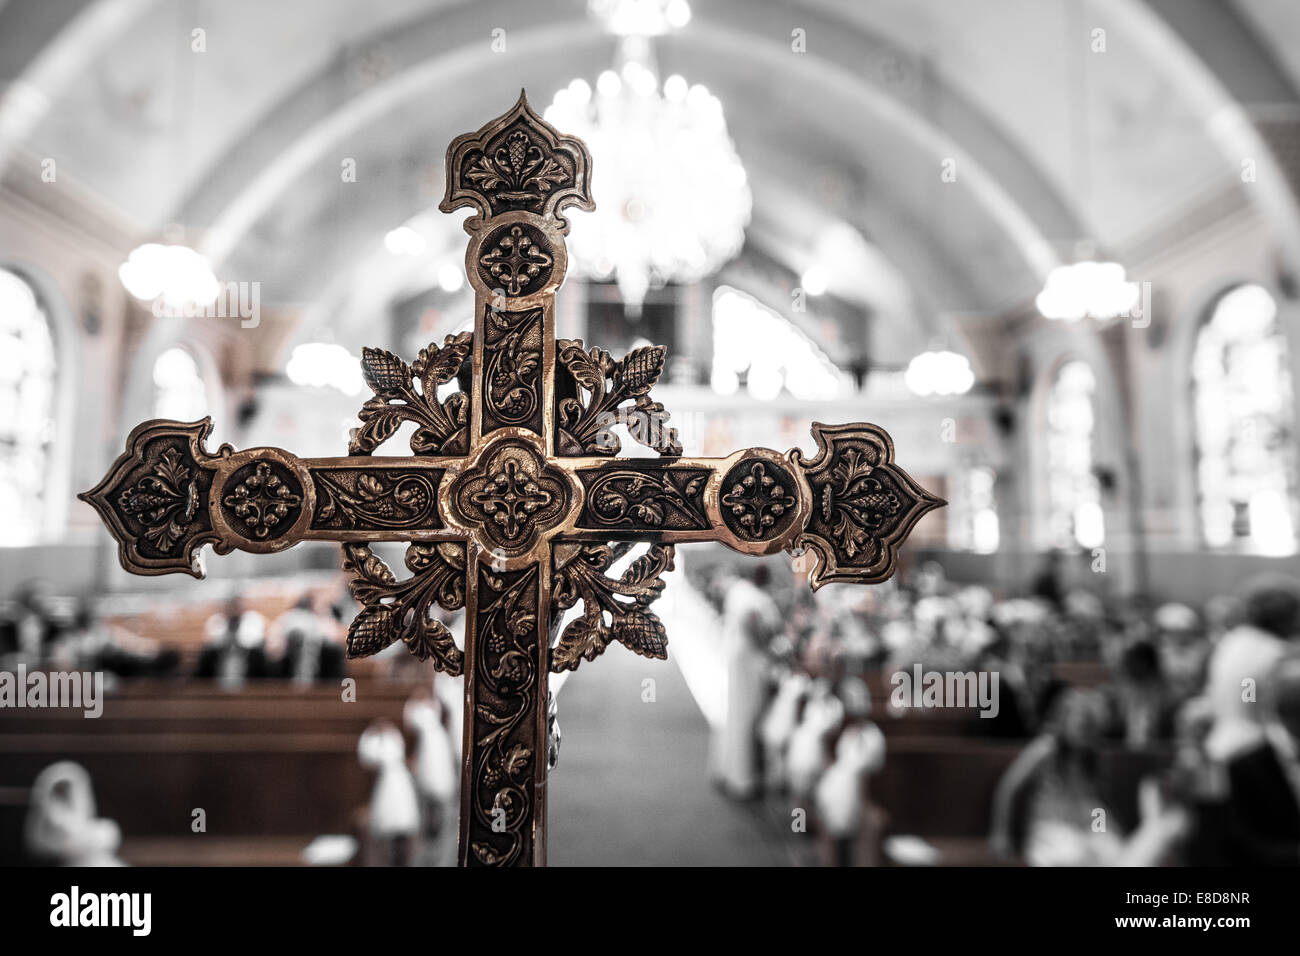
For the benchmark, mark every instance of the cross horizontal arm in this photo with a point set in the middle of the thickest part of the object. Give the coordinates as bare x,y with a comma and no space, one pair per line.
850,504
166,496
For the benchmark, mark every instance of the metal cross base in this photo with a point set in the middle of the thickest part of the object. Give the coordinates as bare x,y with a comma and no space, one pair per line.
513,501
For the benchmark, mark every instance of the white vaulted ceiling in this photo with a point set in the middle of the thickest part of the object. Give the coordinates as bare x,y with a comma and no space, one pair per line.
241,144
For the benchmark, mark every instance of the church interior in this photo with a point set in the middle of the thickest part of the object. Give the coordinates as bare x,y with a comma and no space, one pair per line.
1052,248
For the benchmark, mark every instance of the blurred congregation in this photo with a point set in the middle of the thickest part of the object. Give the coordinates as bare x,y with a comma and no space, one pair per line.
1052,248
1120,733
1105,732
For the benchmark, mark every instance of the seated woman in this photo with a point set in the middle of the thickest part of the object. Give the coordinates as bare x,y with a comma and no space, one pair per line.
1262,816
1048,806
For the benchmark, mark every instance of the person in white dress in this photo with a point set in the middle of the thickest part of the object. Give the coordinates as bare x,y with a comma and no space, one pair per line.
778,727
841,795
436,777
394,803
750,620
822,715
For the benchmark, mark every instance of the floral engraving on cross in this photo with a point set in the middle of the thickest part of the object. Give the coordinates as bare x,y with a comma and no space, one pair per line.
164,501
393,610
518,162
355,498
672,498
261,497
512,356
758,499
512,497
517,259
154,499
865,505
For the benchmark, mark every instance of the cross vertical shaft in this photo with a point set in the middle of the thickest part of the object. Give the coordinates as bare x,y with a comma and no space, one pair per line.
518,174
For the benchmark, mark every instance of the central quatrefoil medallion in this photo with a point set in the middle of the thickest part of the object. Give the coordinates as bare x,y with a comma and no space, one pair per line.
512,497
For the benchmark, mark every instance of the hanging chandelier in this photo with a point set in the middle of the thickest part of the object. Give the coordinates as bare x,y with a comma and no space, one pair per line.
1087,289
174,274
939,372
672,197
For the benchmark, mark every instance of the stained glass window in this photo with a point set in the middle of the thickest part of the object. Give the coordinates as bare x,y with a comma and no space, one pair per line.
27,393
1073,492
973,522
1245,427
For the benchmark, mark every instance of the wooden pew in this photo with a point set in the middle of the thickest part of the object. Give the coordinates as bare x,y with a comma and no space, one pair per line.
272,760
208,850
181,624
935,722
249,716
367,687
939,786
1082,674
150,783
178,623
154,706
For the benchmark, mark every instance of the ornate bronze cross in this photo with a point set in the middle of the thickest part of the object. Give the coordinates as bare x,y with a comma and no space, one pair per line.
513,501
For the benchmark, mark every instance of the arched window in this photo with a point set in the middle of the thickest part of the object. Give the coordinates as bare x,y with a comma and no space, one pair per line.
1245,425
1073,492
773,354
973,518
179,389
27,393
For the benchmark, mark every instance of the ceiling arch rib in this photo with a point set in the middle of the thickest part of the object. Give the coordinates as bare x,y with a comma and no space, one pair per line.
1245,73
1228,48
328,277
1223,85
311,121
322,272
943,275
49,46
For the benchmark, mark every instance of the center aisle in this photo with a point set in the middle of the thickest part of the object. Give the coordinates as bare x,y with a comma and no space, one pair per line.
632,785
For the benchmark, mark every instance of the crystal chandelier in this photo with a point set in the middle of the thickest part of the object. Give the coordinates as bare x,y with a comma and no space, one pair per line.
640,17
672,198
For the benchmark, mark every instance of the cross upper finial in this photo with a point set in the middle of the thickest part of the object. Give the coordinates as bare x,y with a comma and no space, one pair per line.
517,162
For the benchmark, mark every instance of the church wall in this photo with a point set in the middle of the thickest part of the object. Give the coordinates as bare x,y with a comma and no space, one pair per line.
70,252
1144,432
1190,577
1144,411
1187,278
1115,569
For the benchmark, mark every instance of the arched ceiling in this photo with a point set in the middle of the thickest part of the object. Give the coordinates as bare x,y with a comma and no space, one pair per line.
241,144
